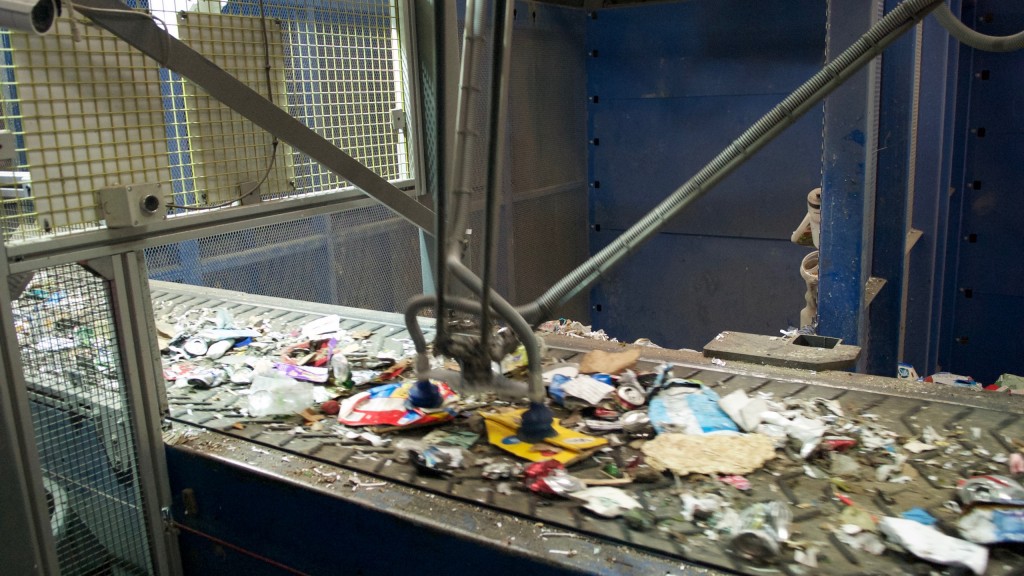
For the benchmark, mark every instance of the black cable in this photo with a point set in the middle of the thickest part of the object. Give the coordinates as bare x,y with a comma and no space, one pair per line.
273,143
266,174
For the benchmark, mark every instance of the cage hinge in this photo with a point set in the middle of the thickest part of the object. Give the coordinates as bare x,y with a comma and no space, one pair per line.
399,120
167,516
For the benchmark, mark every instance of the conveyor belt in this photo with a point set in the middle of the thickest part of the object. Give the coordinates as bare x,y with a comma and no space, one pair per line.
902,407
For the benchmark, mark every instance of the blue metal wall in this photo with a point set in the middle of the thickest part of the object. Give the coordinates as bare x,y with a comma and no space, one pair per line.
262,525
669,86
982,332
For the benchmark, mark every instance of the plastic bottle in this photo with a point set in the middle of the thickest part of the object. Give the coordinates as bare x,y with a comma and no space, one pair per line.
274,393
340,370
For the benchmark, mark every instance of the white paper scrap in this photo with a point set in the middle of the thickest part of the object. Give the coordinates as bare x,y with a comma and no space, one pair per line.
567,370
606,501
918,447
929,544
587,389
745,411
326,325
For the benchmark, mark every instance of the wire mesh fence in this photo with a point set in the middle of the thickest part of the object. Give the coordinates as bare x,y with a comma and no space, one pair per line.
364,258
82,423
89,112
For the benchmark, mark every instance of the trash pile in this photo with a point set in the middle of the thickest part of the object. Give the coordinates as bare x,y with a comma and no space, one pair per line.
1010,383
660,453
284,370
64,335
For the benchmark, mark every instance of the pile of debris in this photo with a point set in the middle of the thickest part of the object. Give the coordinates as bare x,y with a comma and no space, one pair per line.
620,434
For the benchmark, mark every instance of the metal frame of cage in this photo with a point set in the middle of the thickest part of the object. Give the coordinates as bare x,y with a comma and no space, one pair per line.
118,256
123,275
98,241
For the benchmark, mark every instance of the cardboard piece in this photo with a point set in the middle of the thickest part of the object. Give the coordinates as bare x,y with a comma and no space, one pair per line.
608,362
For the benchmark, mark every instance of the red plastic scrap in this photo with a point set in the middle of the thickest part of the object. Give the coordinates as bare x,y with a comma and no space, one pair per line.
541,469
837,443
736,481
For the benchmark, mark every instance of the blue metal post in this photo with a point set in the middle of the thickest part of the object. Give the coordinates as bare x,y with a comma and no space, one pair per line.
940,63
848,182
893,196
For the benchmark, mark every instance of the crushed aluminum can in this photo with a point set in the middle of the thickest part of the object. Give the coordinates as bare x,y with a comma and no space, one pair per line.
501,471
606,414
540,469
630,396
243,375
636,422
762,528
550,477
206,378
990,489
599,426
437,460
196,346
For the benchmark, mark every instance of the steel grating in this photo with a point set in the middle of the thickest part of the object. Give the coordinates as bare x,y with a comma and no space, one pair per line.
82,423
905,408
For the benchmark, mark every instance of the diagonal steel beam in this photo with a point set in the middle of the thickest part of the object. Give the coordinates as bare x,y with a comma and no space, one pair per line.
142,33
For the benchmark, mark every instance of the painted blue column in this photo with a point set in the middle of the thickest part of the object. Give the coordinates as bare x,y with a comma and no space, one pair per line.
893,196
927,266
848,182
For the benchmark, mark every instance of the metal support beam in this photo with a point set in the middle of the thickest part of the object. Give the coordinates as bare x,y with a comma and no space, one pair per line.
88,245
142,33
926,264
28,541
893,199
848,182
147,399
429,18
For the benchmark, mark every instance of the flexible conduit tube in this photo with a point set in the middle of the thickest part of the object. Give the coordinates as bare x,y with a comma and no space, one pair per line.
536,393
447,238
421,301
465,138
901,19
464,141
495,157
975,39
516,322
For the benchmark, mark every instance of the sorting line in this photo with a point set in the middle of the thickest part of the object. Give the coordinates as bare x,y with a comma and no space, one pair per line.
385,326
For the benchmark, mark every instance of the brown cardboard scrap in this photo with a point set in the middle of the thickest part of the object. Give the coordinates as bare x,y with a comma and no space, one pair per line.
608,362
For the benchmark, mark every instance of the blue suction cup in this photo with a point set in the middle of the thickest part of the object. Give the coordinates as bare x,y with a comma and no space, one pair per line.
423,394
536,424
